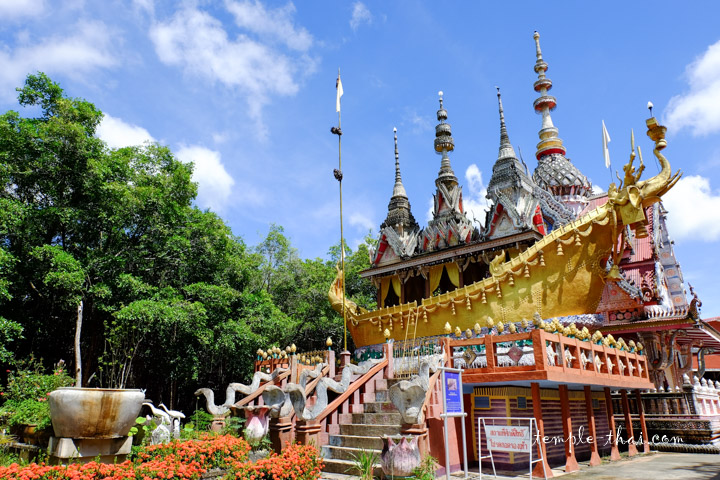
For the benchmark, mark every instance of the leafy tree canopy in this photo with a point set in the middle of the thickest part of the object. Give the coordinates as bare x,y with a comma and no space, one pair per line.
172,299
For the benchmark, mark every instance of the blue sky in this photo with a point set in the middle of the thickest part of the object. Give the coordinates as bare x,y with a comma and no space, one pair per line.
246,90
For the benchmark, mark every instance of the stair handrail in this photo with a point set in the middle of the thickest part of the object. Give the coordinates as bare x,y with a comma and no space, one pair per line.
432,383
310,387
352,388
258,391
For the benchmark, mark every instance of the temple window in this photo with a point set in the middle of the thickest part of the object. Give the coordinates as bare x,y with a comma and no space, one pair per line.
482,402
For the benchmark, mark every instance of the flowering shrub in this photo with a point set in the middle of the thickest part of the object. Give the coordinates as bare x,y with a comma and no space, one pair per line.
184,460
298,462
26,392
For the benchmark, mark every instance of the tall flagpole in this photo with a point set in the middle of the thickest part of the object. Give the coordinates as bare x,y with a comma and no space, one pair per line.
339,176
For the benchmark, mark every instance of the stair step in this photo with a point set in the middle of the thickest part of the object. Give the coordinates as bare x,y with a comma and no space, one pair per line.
382,396
385,418
346,453
369,430
356,441
379,407
345,467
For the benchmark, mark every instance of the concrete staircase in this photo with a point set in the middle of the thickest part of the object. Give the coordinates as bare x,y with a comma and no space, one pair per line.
379,417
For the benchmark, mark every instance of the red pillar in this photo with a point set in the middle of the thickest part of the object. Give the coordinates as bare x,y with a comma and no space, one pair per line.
614,452
537,410
632,449
594,455
643,426
571,464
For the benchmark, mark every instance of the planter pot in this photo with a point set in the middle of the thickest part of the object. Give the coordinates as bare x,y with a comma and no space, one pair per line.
94,412
399,459
31,435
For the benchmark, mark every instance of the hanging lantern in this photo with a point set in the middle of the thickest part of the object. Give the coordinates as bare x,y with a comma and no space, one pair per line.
526,272
560,252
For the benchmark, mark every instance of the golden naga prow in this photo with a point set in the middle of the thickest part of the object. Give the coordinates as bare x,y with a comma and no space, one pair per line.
562,274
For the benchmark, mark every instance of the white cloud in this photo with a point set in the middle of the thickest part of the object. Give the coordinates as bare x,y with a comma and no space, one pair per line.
10,9
148,6
597,189
699,108
276,24
361,14
474,199
419,124
361,220
77,56
117,134
199,44
429,211
693,210
214,182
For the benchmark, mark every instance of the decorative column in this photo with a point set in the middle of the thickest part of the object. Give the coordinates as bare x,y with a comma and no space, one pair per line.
614,452
594,455
280,433
542,450
388,353
632,449
307,432
571,464
643,425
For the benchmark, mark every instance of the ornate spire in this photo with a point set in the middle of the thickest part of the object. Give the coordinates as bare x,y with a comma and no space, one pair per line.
449,226
555,173
399,189
444,143
399,215
506,148
550,142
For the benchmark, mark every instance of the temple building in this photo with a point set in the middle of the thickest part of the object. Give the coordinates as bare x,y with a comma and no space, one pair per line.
550,258
564,311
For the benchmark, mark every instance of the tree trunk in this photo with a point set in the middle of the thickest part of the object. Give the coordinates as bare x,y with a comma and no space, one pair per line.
78,329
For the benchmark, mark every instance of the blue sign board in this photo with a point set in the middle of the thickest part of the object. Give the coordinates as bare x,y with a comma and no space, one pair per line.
453,392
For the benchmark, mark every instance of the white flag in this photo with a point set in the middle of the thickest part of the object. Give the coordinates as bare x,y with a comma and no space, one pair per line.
338,86
606,140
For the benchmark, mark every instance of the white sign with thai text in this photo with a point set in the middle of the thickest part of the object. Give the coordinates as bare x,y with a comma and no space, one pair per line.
502,438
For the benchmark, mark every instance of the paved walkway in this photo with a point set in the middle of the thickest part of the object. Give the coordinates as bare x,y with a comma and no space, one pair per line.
655,466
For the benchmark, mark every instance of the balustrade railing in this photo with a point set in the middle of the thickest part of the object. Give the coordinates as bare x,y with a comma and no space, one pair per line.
699,398
538,350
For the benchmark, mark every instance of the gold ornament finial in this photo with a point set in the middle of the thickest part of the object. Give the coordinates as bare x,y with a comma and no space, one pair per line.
328,342
387,333
458,332
477,328
500,327
293,348
468,333
448,328
512,327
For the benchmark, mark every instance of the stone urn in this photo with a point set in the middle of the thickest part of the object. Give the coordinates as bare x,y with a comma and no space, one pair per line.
399,458
94,412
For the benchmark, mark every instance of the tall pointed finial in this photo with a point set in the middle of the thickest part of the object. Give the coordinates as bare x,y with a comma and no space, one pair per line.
550,142
444,143
398,189
506,149
443,134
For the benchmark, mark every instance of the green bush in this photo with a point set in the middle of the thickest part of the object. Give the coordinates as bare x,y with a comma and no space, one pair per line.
25,397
